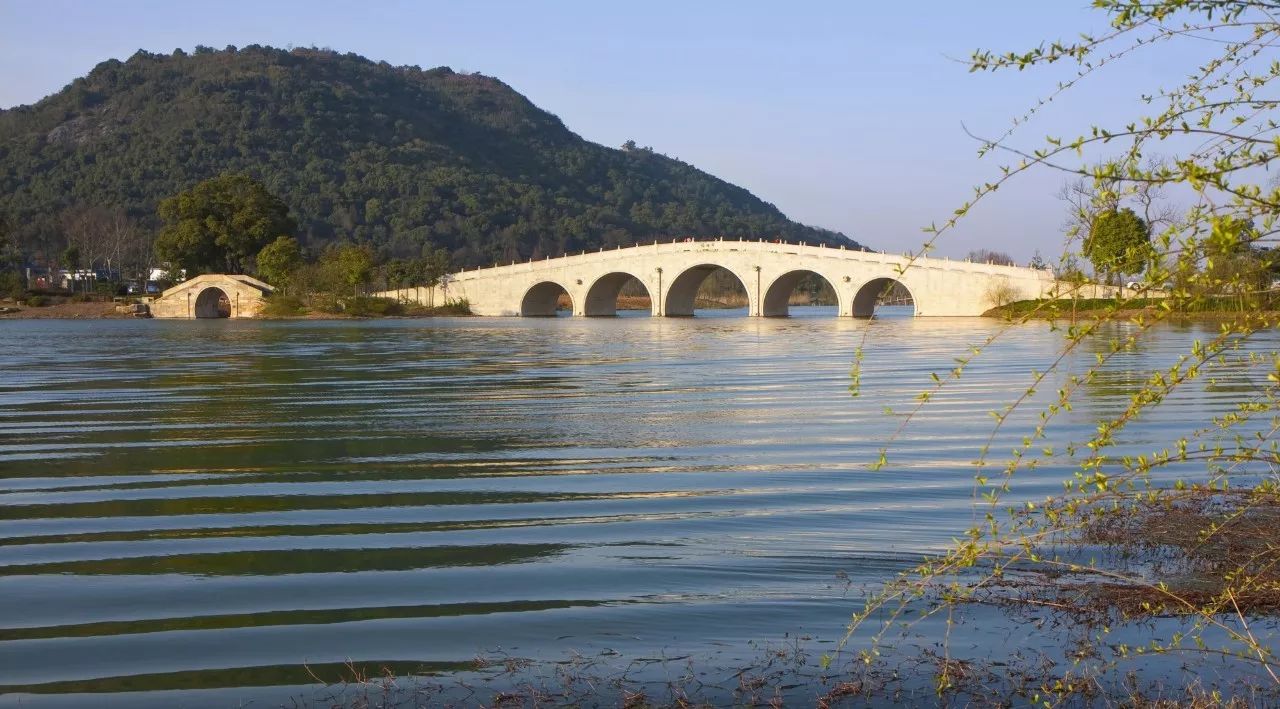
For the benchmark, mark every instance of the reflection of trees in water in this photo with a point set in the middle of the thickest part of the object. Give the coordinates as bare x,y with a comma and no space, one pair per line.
240,677
1124,375
177,507
1128,370
241,397
277,562
1124,343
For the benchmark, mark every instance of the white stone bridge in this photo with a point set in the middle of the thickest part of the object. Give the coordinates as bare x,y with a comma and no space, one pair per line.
671,272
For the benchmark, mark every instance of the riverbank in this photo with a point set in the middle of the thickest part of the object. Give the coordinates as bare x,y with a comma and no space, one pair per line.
1044,309
1169,567
63,311
109,310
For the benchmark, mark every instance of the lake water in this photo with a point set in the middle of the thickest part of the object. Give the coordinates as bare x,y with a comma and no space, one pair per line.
215,512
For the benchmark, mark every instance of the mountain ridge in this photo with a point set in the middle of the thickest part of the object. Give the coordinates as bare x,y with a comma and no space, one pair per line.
402,158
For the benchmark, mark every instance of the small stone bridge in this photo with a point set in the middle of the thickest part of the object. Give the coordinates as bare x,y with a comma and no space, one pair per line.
671,272
213,295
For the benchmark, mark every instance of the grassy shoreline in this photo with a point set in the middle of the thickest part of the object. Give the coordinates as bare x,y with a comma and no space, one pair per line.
107,310
63,311
1216,308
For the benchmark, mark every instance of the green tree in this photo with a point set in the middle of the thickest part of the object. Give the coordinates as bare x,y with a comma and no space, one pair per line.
10,252
218,224
279,260
71,262
397,273
1233,265
12,282
347,267
1119,243
433,266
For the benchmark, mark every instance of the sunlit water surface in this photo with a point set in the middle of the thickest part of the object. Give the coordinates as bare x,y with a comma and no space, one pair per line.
213,512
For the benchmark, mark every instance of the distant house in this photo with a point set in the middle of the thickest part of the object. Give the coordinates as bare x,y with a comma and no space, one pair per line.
40,279
50,279
81,279
160,274
86,279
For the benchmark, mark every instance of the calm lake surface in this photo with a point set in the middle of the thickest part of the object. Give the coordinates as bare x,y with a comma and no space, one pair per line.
212,512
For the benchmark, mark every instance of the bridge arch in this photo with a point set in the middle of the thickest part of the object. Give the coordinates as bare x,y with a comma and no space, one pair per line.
602,297
683,292
213,302
541,300
938,287
864,299
213,295
778,295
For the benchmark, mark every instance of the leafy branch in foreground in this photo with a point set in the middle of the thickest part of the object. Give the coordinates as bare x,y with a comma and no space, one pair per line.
1211,485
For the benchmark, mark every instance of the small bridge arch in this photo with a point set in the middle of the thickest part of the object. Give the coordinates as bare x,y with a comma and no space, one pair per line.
213,295
213,302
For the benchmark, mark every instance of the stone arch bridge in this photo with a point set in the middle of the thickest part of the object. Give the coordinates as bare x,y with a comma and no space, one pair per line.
213,295
671,272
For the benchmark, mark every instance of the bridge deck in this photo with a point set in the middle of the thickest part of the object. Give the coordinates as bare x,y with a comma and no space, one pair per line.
671,272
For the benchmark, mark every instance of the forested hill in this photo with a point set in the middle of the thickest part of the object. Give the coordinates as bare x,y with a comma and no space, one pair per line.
399,157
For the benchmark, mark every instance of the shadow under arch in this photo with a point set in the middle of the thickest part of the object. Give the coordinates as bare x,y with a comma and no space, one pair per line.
683,292
873,291
542,299
213,303
778,295
602,296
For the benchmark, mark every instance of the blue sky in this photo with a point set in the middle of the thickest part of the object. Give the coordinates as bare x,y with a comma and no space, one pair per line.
846,115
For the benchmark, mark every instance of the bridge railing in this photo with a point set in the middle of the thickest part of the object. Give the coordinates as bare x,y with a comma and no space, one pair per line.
923,260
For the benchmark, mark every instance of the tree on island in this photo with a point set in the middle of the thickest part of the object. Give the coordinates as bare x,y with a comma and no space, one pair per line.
1119,243
218,224
425,271
347,268
278,261
1235,265
432,267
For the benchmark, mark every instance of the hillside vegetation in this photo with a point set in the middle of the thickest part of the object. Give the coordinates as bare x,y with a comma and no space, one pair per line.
399,158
